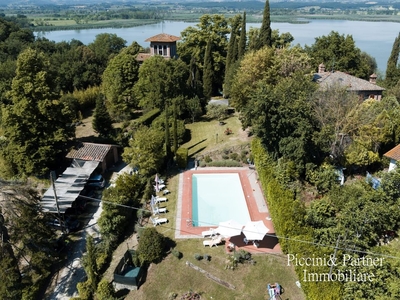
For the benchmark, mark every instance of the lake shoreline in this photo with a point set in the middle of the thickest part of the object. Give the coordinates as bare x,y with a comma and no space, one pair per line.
300,19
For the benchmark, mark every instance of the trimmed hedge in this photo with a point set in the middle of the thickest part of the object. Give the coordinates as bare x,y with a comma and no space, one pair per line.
222,163
146,119
295,237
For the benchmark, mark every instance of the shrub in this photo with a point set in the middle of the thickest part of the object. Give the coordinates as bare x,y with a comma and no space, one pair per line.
198,256
146,119
176,253
207,159
224,156
234,156
207,257
105,291
182,157
151,245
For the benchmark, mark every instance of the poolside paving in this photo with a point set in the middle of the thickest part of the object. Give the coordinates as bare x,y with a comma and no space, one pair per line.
255,201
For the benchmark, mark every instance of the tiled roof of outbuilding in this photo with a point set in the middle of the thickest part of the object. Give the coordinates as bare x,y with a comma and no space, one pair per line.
393,153
89,151
351,82
143,56
163,37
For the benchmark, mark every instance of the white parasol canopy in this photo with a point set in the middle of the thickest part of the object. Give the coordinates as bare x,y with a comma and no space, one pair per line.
255,230
229,228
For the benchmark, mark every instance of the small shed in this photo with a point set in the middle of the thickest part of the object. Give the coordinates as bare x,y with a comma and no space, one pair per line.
105,154
127,275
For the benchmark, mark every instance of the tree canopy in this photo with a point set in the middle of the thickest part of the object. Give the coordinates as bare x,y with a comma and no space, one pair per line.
36,126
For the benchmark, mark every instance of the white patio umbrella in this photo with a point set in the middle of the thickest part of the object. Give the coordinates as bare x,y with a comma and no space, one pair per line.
229,228
255,230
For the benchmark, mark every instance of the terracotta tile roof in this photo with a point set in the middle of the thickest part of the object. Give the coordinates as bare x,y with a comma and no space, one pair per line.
89,151
143,56
351,82
393,153
163,37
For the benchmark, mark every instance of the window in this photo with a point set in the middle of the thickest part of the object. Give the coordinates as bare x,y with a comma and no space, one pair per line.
160,50
165,50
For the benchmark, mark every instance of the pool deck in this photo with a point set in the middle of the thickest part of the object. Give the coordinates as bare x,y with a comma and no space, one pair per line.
256,204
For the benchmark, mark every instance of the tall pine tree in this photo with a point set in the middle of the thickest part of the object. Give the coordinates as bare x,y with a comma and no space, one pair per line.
392,70
264,38
102,122
208,73
242,39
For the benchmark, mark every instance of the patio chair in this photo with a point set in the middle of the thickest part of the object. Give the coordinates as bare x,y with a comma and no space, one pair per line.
158,221
209,232
213,242
158,210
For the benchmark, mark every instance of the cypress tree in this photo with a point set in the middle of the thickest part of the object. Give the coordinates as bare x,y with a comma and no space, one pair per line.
208,73
242,39
175,127
392,71
264,38
167,137
102,122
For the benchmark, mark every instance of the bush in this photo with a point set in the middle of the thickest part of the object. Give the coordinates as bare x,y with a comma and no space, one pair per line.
198,256
105,291
146,119
234,156
207,159
176,253
182,157
207,257
224,156
151,246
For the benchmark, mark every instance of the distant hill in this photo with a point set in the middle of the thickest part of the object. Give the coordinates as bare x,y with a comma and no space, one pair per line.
27,3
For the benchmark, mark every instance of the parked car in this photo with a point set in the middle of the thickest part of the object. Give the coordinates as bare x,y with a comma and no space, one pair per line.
96,181
68,225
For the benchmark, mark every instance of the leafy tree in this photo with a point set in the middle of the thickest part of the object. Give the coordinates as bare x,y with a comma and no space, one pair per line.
102,122
392,69
194,107
151,246
35,125
275,102
20,241
339,52
264,37
114,219
194,44
144,150
333,108
160,81
208,74
106,45
119,78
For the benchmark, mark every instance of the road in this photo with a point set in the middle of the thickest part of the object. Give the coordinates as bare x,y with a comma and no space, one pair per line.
63,283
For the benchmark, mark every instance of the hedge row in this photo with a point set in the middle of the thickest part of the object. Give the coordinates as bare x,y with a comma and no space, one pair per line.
295,237
146,119
181,157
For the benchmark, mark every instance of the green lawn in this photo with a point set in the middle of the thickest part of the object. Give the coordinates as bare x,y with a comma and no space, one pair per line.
174,276
207,136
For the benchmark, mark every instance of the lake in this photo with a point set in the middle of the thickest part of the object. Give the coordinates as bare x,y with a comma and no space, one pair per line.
374,38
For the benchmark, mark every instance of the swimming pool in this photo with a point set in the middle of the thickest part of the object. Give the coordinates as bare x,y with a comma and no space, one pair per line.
217,198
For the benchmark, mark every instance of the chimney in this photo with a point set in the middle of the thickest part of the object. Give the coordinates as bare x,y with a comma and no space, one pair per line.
372,78
321,68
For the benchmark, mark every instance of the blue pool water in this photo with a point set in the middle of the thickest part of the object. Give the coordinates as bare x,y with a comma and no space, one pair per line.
218,198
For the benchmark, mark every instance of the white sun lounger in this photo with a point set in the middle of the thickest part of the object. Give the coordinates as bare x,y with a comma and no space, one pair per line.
213,242
209,232
160,199
158,221
158,210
